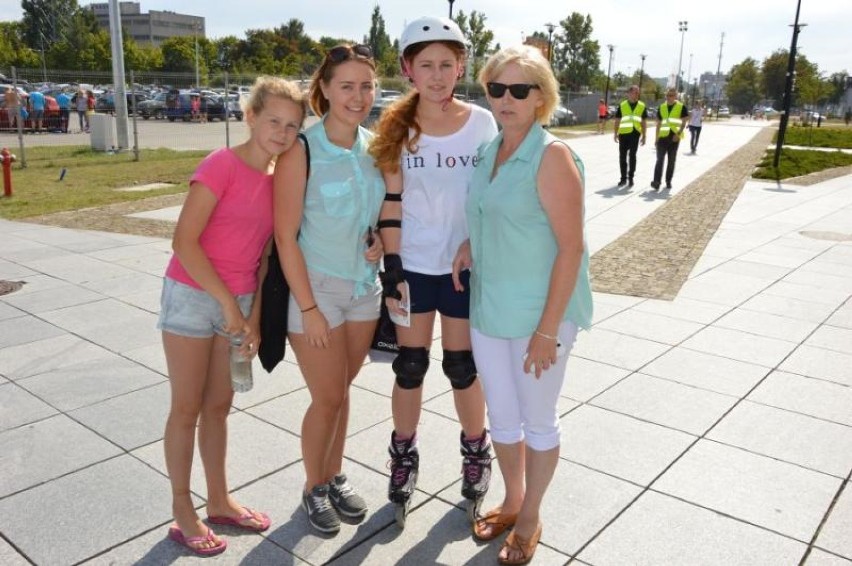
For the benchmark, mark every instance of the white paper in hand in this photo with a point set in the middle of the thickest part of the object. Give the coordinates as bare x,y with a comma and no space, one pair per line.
405,304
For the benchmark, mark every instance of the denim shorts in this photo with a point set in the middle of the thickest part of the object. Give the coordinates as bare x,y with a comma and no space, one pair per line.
191,312
336,301
436,293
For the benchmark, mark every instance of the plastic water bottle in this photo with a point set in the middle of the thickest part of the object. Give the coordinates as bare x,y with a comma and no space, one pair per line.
241,380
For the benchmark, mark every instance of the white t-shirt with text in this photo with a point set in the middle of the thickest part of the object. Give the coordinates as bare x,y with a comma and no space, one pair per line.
435,187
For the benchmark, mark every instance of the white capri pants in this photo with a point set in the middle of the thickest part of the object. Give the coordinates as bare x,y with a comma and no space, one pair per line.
521,407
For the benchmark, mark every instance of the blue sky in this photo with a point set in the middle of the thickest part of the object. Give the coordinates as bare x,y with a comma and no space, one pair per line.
752,28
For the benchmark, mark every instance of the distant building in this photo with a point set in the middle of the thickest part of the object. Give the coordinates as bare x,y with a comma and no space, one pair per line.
711,87
151,28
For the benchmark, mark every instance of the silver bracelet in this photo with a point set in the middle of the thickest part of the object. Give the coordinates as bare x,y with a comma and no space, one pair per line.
548,336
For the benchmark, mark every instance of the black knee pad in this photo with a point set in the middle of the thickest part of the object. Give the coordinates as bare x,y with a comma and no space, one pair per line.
459,368
410,367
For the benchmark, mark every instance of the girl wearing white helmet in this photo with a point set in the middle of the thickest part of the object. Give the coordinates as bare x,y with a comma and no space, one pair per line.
426,145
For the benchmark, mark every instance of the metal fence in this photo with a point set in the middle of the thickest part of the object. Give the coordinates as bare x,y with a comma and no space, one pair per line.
178,128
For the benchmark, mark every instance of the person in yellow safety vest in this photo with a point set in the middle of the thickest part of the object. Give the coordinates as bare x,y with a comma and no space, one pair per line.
672,117
630,126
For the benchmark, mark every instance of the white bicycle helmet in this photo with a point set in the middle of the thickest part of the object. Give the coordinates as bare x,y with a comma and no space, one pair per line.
430,29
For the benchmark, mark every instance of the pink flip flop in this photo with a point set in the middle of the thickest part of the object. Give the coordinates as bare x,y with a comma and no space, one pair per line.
242,522
189,542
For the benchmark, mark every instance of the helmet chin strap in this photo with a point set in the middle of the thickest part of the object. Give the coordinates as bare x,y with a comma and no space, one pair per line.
449,99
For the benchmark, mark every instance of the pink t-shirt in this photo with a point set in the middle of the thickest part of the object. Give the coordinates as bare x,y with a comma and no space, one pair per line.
240,224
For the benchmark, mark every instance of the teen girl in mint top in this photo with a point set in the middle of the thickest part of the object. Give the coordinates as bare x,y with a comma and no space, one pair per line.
323,220
210,293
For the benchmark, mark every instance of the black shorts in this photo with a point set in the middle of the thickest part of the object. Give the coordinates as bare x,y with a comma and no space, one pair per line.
436,293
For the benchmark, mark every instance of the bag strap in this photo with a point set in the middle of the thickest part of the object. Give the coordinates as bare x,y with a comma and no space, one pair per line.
273,252
307,154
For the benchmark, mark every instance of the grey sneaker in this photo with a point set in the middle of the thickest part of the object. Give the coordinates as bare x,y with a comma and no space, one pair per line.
321,514
344,498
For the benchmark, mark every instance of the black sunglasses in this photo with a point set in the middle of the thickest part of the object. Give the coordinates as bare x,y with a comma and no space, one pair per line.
342,53
520,91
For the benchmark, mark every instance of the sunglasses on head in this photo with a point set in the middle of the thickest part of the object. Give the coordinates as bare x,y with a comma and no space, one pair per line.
341,53
519,90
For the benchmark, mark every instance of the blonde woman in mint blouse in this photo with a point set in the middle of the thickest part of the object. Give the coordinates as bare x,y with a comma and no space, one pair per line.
529,287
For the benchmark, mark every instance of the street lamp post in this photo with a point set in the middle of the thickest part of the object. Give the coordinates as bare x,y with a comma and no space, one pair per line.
689,72
717,90
197,81
608,71
451,8
788,88
681,27
641,72
43,60
550,27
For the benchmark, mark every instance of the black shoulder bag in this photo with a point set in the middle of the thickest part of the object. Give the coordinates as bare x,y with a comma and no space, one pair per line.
275,300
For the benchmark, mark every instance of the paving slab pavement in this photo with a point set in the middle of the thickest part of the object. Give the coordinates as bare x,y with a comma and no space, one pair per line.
715,428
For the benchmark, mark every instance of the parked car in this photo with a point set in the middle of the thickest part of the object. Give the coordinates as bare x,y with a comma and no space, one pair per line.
215,106
724,112
563,117
153,107
234,107
386,93
376,111
106,102
178,105
49,122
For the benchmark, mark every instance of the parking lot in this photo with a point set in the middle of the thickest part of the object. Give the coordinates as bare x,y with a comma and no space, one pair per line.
151,134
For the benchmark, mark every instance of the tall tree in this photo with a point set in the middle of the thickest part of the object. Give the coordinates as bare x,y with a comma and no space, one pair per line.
576,53
744,86
837,86
47,21
385,52
84,46
13,51
227,53
810,87
378,38
478,37
774,73
179,54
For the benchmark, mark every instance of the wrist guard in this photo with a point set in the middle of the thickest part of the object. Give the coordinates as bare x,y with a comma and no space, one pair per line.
391,276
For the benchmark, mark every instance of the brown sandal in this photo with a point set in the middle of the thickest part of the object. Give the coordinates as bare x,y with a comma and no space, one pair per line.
496,520
526,547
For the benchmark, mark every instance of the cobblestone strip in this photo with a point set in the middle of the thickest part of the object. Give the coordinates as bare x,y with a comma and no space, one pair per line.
654,258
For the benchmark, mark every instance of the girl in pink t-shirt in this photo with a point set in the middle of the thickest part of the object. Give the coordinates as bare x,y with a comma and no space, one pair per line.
208,296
